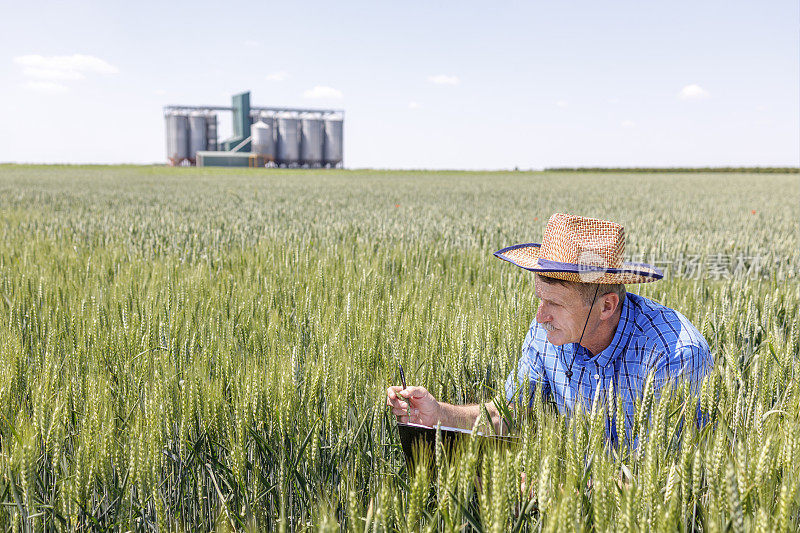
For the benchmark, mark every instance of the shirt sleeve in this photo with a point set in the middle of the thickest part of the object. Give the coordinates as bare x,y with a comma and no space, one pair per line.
687,362
521,382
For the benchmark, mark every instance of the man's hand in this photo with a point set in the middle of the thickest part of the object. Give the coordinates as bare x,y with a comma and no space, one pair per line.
414,405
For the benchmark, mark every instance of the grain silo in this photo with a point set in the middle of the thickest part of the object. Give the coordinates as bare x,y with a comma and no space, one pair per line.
288,139
268,118
169,129
197,134
177,138
263,144
211,131
332,151
311,139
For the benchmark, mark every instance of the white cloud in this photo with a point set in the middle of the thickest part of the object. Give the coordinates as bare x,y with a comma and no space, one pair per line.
628,124
75,63
321,91
278,76
251,43
52,74
444,79
160,92
45,72
46,87
693,92
562,103
413,105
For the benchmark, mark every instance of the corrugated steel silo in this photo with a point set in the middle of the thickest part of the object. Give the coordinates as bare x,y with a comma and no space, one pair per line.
311,140
334,140
170,134
197,134
211,131
268,118
263,140
177,138
288,139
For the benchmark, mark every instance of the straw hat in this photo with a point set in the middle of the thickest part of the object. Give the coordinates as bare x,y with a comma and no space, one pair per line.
585,250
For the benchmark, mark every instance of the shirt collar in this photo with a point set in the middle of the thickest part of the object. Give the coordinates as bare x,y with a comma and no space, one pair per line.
621,336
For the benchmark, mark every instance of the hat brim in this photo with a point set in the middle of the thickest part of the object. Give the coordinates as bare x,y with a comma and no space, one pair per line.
527,256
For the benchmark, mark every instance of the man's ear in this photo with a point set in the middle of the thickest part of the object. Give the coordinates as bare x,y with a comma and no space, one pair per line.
609,305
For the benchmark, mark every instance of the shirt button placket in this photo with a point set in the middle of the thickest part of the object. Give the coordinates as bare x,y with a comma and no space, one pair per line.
597,382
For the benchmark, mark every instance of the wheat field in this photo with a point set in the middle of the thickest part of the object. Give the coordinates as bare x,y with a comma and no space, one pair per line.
209,349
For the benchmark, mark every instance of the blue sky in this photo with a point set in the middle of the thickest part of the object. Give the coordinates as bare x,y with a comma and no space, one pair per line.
424,84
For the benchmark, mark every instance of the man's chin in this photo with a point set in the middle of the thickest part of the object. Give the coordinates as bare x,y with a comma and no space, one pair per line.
554,339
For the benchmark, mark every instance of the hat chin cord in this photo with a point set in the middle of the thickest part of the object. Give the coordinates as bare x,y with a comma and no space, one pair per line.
569,370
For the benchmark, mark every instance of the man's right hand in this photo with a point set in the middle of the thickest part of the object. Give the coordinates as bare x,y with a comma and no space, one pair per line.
414,405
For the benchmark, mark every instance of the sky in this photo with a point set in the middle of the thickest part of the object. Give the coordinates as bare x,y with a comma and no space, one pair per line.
433,84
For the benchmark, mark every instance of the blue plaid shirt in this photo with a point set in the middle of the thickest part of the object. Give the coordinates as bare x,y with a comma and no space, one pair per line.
649,338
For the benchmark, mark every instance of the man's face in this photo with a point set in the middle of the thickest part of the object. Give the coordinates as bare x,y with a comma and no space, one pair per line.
562,312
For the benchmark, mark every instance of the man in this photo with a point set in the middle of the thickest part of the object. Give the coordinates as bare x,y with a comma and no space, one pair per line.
588,332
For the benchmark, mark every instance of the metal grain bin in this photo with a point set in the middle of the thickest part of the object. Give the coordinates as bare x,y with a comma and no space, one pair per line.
268,118
197,134
177,138
311,139
332,152
211,132
288,139
263,143
169,129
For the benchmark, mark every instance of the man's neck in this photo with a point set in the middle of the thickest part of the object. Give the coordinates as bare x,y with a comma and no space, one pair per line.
604,333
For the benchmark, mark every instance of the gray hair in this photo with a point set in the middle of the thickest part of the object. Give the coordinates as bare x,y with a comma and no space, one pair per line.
587,290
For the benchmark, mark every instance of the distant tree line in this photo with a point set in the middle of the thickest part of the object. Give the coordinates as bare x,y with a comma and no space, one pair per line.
760,170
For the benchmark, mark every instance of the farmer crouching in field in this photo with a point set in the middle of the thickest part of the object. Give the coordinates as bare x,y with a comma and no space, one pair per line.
588,333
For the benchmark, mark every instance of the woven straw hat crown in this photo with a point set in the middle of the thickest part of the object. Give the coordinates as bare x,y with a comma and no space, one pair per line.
581,249
583,241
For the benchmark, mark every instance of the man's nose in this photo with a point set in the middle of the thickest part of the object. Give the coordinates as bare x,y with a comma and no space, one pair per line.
541,315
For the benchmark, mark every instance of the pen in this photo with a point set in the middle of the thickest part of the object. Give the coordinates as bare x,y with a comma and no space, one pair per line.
403,381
